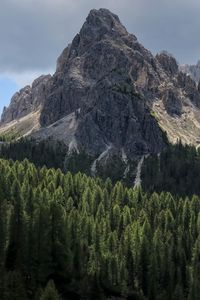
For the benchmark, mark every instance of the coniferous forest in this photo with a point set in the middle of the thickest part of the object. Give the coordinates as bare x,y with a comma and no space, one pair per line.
65,236
175,170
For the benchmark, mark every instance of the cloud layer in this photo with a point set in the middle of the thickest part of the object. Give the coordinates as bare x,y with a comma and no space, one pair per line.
34,32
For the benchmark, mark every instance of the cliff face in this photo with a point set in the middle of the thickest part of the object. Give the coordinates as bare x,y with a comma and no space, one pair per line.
111,94
27,100
192,70
110,80
103,50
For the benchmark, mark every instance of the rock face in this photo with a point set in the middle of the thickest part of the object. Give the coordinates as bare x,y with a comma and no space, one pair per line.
172,102
27,100
192,70
103,50
109,93
168,62
105,74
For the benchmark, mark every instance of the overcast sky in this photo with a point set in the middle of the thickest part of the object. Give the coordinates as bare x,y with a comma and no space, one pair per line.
34,32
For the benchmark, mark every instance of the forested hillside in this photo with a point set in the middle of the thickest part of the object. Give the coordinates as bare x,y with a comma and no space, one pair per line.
175,170
48,153
82,237
56,154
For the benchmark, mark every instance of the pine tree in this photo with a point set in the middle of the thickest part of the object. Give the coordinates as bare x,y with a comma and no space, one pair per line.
43,243
194,292
50,292
15,288
58,237
17,246
3,228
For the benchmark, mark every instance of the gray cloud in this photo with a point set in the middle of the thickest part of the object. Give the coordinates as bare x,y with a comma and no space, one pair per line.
34,32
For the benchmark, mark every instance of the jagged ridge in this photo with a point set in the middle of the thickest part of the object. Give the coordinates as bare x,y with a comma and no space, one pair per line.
108,91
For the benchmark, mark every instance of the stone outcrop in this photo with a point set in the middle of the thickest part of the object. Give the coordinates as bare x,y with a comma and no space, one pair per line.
192,70
172,102
168,62
189,88
119,119
27,100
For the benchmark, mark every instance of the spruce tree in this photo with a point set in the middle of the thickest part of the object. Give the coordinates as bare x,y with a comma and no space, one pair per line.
50,292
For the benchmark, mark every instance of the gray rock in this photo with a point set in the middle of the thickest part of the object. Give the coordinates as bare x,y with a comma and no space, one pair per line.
27,100
109,82
189,88
118,119
172,102
106,74
19,106
102,48
168,62
192,70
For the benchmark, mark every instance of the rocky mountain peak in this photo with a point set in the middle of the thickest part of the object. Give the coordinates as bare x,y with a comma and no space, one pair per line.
101,22
111,95
99,25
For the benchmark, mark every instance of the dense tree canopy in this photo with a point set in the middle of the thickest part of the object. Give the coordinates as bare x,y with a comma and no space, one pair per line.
72,235
49,152
175,170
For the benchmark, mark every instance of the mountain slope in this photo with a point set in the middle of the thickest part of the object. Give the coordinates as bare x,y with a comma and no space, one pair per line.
109,92
192,70
27,100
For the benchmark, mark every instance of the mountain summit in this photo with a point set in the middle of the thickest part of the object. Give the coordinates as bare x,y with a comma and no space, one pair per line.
109,95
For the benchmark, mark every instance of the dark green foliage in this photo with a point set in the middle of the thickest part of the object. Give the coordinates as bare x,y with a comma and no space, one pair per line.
50,153
55,154
114,169
50,292
15,288
86,237
78,162
175,170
